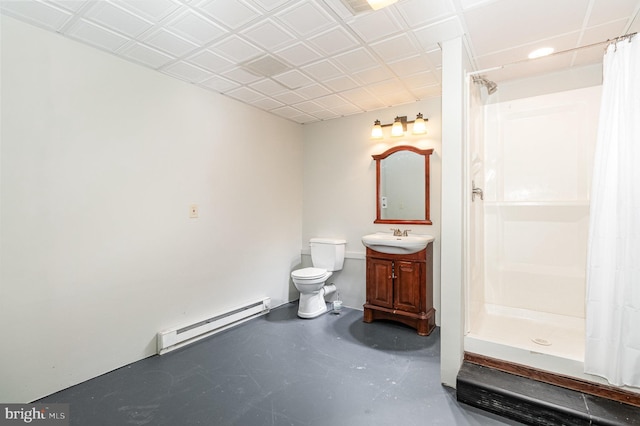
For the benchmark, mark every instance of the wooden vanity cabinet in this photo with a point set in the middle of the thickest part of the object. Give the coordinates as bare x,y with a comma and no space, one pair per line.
400,288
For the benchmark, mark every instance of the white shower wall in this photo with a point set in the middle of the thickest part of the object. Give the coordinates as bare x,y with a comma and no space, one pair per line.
528,238
537,168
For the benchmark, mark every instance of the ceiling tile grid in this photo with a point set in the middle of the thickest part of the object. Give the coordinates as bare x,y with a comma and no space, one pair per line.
311,60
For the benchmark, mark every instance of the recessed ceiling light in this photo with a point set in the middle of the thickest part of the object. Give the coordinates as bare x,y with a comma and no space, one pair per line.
543,51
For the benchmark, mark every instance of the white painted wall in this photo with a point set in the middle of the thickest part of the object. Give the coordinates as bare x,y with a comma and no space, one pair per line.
455,64
340,188
100,159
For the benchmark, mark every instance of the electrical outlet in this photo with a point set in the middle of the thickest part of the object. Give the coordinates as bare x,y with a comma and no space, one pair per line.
193,211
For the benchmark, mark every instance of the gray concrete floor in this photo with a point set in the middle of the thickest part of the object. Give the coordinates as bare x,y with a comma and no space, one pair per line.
282,370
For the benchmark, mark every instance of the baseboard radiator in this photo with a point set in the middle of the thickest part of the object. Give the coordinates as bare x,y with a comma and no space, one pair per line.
169,340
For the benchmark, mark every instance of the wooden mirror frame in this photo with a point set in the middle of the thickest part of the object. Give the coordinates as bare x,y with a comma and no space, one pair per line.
427,154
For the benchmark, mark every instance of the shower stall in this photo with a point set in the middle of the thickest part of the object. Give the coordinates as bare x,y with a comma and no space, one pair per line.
529,161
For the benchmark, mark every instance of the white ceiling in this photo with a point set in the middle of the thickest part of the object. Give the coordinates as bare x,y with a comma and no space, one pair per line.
311,60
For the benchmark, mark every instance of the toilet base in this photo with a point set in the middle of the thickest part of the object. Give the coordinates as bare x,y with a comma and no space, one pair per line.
312,305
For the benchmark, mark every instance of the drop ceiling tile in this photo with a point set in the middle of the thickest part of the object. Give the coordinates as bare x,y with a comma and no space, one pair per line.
114,17
267,104
169,42
325,114
375,25
312,91
308,107
333,41
346,109
268,35
152,10
409,65
567,16
330,101
287,112
419,13
210,61
386,87
305,18
293,79
71,5
290,97
397,98
362,98
435,57
146,55
220,84
341,83
395,48
268,87
195,27
430,36
304,118
428,91
270,5
355,60
187,72
231,13
322,70
236,49
372,75
299,54
40,14
245,94
520,53
96,35
241,76
420,80
603,32
611,10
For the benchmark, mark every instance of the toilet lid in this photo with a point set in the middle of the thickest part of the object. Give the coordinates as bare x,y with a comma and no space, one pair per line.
309,273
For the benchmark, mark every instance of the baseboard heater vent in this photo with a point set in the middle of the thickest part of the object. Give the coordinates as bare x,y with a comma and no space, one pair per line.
169,340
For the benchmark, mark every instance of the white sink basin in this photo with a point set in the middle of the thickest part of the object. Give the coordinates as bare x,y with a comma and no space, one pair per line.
385,242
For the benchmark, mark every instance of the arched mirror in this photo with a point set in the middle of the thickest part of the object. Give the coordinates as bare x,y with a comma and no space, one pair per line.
402,191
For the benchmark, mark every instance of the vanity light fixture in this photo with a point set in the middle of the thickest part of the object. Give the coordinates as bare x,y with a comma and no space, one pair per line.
399,127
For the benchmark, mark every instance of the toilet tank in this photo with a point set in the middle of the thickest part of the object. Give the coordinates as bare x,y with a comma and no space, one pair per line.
327,253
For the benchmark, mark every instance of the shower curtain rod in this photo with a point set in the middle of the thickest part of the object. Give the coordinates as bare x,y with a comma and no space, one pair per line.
610,41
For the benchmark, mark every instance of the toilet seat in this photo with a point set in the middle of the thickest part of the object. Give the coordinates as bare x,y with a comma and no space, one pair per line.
309,273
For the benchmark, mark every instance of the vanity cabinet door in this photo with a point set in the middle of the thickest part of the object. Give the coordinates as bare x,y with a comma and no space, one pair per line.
380,282
408,286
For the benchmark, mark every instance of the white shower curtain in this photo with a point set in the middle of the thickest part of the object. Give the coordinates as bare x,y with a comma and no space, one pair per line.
613,264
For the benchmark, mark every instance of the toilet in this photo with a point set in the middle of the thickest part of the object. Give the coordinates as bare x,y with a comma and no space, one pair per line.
327,255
